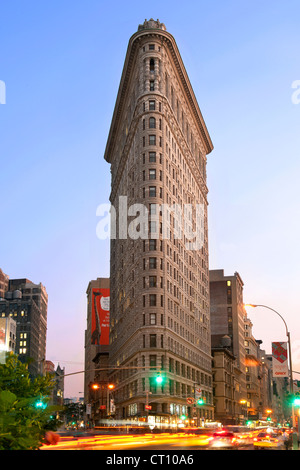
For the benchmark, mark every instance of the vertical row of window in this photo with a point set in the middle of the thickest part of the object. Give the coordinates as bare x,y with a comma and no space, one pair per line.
184,123
229,293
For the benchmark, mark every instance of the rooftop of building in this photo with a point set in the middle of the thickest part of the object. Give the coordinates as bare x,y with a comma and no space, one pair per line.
152,24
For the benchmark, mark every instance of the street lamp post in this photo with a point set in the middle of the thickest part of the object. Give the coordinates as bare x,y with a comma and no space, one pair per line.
244,407
289,342
109,387
290,351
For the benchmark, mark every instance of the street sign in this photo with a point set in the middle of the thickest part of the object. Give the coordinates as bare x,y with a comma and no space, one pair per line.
190,401
148,407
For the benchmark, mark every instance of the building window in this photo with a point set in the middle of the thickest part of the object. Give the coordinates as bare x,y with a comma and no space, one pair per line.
229,298
152,123
152,263
151,85
152,228
152,191
152,246
152,318
152,139
152,63
152,384
152,209
152,281
152,157
151,47
152,174
152,358
152,341
152,300
151,105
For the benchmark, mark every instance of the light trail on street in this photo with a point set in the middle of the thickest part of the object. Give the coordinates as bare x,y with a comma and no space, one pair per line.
163,441
146,441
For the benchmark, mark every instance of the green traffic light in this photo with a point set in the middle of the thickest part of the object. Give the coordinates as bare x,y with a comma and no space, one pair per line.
200,401
159,378
296,401
40,405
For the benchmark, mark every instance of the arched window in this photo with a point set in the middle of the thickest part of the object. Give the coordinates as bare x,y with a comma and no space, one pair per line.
152,123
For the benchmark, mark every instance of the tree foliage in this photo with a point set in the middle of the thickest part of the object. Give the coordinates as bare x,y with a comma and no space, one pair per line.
23,422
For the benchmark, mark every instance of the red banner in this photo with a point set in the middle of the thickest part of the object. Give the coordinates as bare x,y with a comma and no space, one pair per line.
280,356
100,316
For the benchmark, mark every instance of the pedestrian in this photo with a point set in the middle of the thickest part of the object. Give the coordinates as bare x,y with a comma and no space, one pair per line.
286,440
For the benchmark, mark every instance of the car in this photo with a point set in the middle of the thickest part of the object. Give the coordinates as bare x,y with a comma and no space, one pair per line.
243,434
268,440
223,440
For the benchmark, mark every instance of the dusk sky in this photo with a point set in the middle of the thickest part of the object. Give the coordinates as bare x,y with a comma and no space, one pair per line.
61,63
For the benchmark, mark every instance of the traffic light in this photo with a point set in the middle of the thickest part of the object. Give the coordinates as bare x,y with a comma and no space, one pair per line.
40,405
159,379
296,401
200,401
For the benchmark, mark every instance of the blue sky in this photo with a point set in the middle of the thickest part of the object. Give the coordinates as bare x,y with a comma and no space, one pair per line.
62,61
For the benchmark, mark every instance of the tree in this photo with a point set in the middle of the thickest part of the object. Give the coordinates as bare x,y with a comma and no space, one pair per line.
24,410
73,413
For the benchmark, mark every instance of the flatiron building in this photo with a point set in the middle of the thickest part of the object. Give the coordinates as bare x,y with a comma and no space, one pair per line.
159,276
